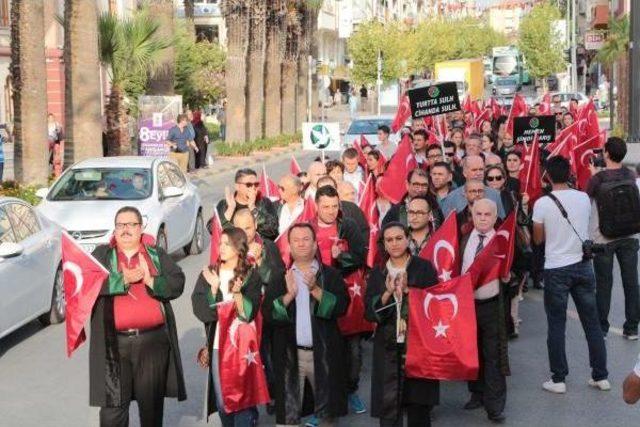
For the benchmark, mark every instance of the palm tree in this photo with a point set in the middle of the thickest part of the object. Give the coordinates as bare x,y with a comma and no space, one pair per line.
82,81
289,77
163,80
189,13
28,74
130,48
308,46
274,56
255,68
236,14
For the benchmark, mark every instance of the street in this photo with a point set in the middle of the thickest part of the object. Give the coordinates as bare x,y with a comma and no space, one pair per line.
41,387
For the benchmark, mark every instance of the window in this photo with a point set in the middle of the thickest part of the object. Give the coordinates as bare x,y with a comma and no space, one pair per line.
163,177
174,174
103,184
6,232
24,221
210,33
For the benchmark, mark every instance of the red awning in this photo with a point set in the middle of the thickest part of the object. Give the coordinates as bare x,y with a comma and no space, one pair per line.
600,17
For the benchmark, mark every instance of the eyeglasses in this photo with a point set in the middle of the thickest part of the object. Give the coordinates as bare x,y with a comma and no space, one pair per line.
433,156
127,225
491,178
478,191
450,154
250,184
420,184
417,213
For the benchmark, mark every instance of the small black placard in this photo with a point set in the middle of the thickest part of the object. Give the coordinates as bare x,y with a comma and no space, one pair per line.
433,100
525,129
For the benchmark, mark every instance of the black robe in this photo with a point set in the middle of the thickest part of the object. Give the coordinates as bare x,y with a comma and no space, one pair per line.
352,211
330,397
272,267
105,388
266,217
390,390
202,301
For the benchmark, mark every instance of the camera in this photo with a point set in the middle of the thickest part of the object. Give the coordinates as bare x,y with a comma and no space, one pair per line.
589,249
598,159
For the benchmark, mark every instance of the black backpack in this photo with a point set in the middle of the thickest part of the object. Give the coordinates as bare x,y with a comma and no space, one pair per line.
618,203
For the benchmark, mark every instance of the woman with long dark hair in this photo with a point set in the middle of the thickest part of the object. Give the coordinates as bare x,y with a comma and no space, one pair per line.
201,139
231,278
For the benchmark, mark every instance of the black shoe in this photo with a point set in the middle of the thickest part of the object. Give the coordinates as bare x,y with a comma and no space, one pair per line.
473,403
537,284
513,335
498,418
271,408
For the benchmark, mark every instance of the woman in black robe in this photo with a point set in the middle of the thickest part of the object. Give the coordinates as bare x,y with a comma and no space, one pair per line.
387,291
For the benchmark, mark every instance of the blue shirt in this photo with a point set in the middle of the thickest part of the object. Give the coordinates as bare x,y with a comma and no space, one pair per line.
456,200
1,149
180,138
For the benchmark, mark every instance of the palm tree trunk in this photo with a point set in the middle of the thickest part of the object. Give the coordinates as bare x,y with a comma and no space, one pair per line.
236,16
162,81
28,73
273,73
308,35
119,143
82,82
255,69
189,12
622,106
289,81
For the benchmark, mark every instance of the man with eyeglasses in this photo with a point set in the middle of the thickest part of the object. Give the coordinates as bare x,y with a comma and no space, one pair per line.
434,155
450,156
473,190
419,218
247,196
134,353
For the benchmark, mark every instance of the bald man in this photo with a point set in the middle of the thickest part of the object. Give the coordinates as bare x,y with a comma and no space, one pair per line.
347,192
315,171
291,202
490,390
472,168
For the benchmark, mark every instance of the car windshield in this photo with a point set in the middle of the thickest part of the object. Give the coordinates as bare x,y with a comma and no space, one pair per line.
367,127
506,82
103,184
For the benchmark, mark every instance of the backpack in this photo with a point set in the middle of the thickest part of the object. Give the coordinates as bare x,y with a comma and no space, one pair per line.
618,203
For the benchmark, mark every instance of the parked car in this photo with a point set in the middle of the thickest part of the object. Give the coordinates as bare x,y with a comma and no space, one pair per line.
31,283
566,97
368,126
506,86
86,197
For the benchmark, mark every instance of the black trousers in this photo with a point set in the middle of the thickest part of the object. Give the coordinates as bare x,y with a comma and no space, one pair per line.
144,361
491,385
353,349
417,416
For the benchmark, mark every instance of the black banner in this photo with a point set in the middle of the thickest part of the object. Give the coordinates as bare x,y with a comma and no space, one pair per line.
525,129
433,100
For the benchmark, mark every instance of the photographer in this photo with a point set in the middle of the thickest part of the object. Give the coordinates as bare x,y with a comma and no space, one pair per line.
561,221
615,220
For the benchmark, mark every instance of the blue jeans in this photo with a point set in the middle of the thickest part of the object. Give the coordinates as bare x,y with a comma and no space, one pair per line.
245,418
626,250
579,281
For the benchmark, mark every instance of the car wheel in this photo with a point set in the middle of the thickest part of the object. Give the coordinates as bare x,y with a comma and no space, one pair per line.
161,240
197,242
56,313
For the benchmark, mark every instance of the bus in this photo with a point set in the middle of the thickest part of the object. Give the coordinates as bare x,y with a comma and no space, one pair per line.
508,61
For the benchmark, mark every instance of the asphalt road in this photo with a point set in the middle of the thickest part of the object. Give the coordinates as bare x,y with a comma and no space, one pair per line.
40,387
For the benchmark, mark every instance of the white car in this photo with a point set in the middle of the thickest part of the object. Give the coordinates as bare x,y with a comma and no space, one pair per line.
368,126
566,97
30,272
86,197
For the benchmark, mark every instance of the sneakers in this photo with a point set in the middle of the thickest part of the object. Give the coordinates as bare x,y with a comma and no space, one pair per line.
356,404
312,421
602,385
630,337
558,388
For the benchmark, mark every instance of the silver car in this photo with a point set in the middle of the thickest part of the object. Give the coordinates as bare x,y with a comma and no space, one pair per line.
30,271
368,126
86,197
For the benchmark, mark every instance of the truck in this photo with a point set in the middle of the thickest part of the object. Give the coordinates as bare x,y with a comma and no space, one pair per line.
507,61
467,73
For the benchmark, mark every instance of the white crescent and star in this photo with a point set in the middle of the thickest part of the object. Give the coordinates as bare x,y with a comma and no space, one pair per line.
443,244
250,357
441,329
450,297
233,331
355,290
587,152
74,269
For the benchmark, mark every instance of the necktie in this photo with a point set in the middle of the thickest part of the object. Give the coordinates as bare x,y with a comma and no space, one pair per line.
480,243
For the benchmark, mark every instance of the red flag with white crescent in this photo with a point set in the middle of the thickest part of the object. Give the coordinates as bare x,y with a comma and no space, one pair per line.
294,167
362,159
391,184
371,214
518,109
402,114
308,214
544,109
582,155
83,277
353,321
216,233
530,174
442,249
268,188
441,338
242,378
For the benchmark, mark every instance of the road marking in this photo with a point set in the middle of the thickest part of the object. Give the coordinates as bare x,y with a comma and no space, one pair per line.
571,313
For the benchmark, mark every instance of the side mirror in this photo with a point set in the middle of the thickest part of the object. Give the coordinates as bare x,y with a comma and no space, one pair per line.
10,250
42,192
170,192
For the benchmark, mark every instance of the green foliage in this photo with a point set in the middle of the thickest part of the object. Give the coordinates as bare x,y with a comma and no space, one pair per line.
417,49
213,129
199,69
23,192
540,43
225,149
617,43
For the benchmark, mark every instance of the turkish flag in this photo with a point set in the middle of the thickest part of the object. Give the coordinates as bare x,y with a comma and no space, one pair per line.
470,106
242,379
371,214
582,155
294,167
362,159
545,105
482,117
445,238
442,341
566,141
402,114
496,108
518,109
83,276
588,125
353,321
216,232
530,174
308,214
392,184
268,188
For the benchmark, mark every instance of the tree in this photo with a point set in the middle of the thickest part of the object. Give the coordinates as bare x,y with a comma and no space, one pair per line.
189,13
309,10
130,48
28,74
289,75
255,68
365,44
83,123
274,55
540,43
162,81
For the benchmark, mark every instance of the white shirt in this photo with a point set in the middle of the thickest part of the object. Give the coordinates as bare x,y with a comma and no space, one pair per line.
562,245
387,149
287,216
492,288
225,278
355,178
304,334
311,192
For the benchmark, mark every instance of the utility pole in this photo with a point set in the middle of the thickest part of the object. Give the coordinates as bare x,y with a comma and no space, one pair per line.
612,77
379,80
634,69
310,88
574,47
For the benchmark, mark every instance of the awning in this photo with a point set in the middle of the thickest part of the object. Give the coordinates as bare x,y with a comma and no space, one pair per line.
600,19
